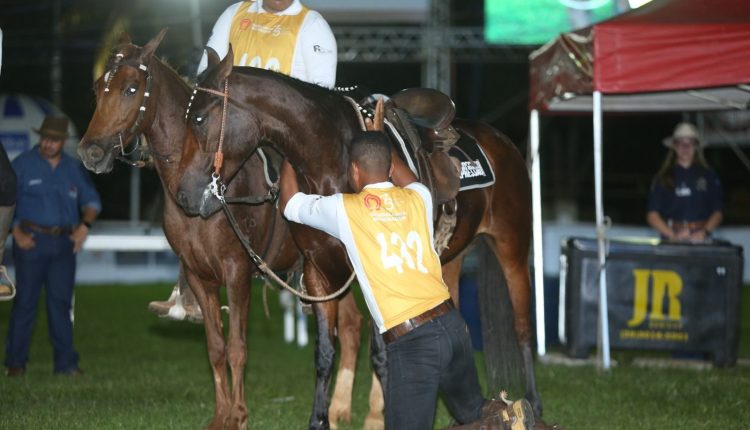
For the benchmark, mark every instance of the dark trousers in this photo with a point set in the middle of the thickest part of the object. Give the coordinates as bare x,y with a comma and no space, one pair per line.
435,357
52,264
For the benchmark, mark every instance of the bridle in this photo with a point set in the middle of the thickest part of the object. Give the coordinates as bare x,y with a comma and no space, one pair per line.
134,130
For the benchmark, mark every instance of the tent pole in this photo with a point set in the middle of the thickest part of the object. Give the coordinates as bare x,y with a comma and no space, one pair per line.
601,233
536,208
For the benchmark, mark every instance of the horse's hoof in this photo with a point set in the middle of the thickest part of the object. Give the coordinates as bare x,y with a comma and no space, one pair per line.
374,422
335,416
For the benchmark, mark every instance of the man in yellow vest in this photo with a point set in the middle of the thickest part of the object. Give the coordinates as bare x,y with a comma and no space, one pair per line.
280,35
287,37
388,234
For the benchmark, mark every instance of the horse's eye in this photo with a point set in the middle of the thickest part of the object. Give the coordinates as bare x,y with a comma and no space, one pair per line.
131,90
199,119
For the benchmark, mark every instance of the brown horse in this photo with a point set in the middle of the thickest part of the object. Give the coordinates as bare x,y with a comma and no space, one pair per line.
209,251
313,128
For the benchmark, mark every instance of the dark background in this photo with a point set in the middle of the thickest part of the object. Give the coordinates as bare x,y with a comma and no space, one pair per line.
492,91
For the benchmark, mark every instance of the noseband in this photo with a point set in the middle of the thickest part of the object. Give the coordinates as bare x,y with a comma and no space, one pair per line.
134,130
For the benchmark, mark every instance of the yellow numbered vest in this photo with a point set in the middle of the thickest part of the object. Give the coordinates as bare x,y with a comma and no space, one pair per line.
265,40
392,237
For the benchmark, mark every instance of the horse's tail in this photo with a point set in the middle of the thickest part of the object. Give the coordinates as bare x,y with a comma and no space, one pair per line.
502,354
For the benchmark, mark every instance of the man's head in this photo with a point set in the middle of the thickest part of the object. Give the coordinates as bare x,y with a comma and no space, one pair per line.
53,133
370,159
276,6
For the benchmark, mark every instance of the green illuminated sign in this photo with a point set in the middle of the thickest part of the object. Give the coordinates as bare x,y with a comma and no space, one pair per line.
533,22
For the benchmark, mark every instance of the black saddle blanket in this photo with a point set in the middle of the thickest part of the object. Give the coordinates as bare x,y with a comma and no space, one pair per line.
476,171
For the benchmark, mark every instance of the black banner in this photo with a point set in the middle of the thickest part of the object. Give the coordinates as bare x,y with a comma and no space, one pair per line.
666,297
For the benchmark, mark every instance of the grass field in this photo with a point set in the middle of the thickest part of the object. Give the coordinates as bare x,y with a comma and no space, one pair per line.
146,373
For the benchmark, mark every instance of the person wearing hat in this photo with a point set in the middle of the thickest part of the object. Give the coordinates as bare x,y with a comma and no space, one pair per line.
55,207
685,203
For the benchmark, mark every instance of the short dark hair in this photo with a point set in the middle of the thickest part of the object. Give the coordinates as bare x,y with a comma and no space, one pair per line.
371,150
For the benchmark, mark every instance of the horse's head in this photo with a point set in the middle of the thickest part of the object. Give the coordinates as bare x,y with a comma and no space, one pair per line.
214,119
122,104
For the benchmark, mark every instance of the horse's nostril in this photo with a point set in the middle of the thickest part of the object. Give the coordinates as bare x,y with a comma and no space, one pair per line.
181,198
95,153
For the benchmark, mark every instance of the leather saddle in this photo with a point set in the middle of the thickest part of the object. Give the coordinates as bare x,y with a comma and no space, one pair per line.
423,117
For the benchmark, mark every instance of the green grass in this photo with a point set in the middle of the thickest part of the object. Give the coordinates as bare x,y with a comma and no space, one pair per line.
147,373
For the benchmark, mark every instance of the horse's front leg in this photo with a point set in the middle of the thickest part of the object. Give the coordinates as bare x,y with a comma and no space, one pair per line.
207,294
348,325
238,295
375,419
325,352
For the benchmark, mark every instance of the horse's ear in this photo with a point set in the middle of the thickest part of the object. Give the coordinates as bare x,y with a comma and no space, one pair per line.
124,39
151,46
225,66
213,57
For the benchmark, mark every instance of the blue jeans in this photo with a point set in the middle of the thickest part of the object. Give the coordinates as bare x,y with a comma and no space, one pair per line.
436,356
52,264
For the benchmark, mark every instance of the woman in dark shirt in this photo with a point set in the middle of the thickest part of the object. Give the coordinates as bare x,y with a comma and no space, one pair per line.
685,202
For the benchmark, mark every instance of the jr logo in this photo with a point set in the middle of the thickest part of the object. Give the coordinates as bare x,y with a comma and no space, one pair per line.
665,283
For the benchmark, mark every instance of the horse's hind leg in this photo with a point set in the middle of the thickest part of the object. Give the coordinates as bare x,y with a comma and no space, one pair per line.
451,275
208,299
511,251
348,326
238,295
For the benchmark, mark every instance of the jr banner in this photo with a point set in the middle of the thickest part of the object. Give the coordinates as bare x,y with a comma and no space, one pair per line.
665,297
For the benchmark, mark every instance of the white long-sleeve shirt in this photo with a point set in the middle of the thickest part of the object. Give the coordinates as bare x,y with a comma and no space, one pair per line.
315,53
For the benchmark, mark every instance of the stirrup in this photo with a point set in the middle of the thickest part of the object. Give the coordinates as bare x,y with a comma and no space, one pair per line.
5,281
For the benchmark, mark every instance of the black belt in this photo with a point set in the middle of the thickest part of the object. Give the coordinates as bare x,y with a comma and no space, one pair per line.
54,230
395,332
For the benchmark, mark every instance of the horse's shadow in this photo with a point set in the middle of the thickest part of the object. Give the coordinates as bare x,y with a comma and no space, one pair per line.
178,330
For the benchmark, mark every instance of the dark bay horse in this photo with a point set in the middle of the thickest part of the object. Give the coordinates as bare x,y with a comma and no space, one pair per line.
208,249
313,128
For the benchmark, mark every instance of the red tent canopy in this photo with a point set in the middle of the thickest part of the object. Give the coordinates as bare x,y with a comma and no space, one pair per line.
677,49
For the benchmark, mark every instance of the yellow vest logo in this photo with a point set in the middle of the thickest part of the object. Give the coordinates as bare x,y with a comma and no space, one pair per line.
665,285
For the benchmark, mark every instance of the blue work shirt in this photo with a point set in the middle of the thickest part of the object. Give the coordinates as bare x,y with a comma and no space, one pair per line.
696,195
52,197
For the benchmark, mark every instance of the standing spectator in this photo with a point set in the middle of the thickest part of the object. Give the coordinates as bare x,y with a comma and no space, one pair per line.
287,37
685,202
56,204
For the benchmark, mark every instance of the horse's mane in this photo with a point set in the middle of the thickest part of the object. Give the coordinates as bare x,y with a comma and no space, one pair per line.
322,95
135,49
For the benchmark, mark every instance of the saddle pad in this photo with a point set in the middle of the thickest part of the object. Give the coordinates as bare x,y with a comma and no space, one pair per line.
476,171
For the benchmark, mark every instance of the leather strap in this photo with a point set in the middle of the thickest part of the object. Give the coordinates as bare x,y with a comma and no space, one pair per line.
405,327
51,230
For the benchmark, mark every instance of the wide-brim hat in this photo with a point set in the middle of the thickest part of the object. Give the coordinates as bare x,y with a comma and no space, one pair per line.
55,127
683,130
